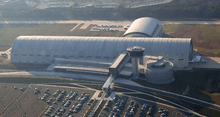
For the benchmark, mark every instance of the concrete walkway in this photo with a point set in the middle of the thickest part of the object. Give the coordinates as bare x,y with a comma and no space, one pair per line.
95,96
94,108
125,81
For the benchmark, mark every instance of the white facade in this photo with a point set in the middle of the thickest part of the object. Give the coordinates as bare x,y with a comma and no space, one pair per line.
160,75
145,26
157,70
43,49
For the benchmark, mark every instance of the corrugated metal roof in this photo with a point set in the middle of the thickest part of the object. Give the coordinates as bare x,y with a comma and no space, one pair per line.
145,25
74,46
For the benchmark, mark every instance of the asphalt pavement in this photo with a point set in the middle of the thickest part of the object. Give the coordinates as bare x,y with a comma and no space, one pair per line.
103,22
174,95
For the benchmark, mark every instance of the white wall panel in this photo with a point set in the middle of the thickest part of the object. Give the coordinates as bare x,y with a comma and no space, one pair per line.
64,46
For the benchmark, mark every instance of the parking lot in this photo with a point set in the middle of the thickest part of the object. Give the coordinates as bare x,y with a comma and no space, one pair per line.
126,106
8,93
52,100
45,100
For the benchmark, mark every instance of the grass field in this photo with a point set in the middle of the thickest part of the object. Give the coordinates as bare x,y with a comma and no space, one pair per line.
8,33
209,32
205,37
169,28
5,64
208,52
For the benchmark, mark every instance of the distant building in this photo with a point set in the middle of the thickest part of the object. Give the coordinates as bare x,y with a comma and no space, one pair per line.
145,27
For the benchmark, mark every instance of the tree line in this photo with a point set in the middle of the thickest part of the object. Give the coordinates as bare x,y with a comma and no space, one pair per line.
177,9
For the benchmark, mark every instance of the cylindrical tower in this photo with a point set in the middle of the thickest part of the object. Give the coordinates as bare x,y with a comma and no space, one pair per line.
135,53
157,70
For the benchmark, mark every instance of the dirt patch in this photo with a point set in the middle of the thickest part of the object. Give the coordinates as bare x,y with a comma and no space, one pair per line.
215,96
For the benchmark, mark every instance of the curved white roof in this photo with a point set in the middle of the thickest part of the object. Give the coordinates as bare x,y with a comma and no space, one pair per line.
43,49
145,25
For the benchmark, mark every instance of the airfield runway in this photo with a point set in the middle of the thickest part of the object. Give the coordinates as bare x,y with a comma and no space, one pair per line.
103,22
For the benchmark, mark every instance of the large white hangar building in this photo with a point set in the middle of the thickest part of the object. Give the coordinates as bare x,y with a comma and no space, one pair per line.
44,49
109,55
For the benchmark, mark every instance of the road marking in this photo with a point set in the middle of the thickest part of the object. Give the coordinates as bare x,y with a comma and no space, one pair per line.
74,27
85,26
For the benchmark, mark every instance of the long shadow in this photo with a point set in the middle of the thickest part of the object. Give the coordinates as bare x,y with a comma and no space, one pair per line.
197,79
31,67
191,105
156,107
